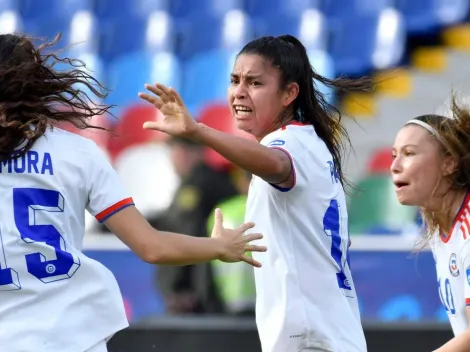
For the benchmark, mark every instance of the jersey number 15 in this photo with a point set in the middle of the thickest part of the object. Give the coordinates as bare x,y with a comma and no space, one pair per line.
52,262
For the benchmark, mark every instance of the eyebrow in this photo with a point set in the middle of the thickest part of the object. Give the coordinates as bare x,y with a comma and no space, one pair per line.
249,76
394,148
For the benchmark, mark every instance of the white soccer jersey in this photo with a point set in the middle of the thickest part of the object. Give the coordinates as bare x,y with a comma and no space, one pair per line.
452,256
52,297
305,294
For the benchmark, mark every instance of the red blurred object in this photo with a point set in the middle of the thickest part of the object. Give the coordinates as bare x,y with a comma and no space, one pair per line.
380,162
101,137
218,116
129,131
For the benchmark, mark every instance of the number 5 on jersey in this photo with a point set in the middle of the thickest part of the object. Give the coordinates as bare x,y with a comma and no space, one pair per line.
52,263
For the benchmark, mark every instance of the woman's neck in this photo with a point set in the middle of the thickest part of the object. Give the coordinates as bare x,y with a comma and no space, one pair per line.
446,209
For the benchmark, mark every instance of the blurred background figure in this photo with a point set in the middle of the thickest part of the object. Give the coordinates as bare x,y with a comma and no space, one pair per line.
235,284
190,289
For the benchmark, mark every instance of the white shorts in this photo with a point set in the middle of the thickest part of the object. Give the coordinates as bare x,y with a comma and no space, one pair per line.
99,347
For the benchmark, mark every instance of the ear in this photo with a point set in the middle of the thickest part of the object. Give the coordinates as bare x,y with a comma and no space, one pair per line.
291,93
449,165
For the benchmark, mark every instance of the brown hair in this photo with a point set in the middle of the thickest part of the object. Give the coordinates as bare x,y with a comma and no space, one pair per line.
34,96
453,134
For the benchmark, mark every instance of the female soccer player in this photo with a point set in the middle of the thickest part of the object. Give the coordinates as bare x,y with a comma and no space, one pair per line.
52,297
306,299
431,169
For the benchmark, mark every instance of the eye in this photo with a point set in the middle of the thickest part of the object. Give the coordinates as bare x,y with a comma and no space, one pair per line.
394,155
233,80
255,83
408,153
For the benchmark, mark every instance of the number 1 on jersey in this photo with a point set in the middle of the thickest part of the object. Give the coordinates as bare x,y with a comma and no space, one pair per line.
331,223
8,277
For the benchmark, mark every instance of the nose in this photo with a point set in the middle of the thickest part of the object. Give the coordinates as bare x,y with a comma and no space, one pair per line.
239,92
396,166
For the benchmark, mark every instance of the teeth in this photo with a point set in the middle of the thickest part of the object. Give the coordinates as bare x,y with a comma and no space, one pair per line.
243,112
241,108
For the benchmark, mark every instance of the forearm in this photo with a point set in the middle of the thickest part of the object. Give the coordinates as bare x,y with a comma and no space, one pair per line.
177,249
459,343
271,165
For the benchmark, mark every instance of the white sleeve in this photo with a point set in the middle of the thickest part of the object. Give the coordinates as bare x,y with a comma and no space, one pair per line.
286,142
106,193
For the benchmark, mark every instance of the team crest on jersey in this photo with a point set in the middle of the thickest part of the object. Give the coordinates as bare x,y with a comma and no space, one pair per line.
454,270
276,142
468,275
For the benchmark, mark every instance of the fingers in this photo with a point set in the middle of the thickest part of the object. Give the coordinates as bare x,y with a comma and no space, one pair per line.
251,261
165,93
177,97
254,248
151,99
152,125
252,237
246,226
219,220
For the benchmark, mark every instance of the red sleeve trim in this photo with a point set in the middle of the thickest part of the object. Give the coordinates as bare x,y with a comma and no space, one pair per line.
113,209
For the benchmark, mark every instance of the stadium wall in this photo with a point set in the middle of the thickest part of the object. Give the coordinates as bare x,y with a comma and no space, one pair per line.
172,334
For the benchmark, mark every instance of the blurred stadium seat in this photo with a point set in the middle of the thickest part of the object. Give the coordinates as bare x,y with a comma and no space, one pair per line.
122,36
32,10
9,5
423,16
185,9
129,73
261,8
380,162
309,26
128,130
229,32
212,87
109,10
373,207
368,42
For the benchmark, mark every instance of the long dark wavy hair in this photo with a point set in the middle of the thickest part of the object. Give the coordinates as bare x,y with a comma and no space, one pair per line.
34,95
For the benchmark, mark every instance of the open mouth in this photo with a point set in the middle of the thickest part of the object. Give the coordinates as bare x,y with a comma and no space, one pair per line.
400,185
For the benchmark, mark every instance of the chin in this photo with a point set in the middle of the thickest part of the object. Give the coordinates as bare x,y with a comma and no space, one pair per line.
408,201
243,125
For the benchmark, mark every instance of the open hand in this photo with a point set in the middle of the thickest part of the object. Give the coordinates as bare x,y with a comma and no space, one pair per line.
235,243
177,120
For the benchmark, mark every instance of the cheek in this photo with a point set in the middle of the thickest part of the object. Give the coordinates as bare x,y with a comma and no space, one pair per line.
426,177
267,107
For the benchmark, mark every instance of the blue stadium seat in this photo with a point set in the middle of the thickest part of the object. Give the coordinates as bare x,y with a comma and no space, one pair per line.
206,78
334,9
112,9
128,74
423,16
33,9
81,30
260,8
9,5
323,64
187,8
48,28
125,35
363,43
309,27
207,32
